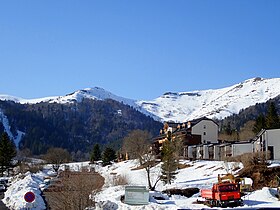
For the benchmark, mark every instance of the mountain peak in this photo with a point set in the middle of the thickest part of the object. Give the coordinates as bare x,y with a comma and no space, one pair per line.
218,103
182,106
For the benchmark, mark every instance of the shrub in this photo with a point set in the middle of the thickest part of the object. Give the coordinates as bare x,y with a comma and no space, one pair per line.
120,180
250,159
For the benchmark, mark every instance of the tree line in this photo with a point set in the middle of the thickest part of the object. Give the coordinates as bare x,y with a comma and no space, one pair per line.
246,124
8,151
76,126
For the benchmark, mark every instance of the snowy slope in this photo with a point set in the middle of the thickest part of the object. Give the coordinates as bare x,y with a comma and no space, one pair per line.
182,106
218,103
90,93
200,174
95,93
5,122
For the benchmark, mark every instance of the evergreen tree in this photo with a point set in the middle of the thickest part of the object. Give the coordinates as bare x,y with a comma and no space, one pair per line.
170,163
272,118
228,129
96,153
7,152
108,155
259,124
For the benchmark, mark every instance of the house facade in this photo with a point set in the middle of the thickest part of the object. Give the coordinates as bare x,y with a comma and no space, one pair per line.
206,128
268,140
200,141
195,132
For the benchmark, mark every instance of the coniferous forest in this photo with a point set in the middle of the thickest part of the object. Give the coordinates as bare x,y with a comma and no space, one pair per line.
76,126
256,114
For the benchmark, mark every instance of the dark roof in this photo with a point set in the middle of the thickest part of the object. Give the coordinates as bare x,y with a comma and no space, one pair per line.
258,135
172,124
195,121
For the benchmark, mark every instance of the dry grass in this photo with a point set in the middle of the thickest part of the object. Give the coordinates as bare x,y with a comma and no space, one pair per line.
182,166
255,167
120,180
33,168
249,159
74,191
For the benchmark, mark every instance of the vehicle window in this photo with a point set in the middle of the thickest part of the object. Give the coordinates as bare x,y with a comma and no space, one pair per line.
228,188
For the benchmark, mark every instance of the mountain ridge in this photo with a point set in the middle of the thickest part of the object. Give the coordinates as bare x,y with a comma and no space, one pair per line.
181,106
213,103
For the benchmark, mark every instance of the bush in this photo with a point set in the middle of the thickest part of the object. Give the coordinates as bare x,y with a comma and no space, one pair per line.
108,155
250,159
33,168
120,180
76,190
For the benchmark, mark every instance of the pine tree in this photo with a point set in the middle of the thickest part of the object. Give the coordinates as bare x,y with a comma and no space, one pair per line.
7,152
260,124
272,118
96,153
108,155
170,163
228,129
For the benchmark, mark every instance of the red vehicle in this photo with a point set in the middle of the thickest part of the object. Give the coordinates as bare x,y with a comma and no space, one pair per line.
222,194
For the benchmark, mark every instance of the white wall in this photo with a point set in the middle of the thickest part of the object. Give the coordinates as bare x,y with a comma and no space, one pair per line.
210,130
199,152
190,150
217,152
205,152
273,139
239,149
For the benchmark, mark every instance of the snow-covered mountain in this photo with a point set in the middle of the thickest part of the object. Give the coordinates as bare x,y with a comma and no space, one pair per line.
77,96
182,106
95,93
218,103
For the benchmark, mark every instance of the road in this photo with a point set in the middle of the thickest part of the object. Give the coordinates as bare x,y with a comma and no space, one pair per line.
2,205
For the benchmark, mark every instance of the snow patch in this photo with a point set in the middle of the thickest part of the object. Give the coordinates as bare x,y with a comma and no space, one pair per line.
14,196
219,103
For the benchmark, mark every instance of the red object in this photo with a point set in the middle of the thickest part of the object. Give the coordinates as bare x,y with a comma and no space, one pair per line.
29,197
223,194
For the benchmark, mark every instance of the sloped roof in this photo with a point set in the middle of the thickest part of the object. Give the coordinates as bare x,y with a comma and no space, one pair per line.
195,121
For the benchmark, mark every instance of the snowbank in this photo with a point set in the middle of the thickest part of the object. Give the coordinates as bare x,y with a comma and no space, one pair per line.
200,174
14,196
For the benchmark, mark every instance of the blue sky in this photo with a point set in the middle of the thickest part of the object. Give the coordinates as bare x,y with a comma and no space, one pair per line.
135,49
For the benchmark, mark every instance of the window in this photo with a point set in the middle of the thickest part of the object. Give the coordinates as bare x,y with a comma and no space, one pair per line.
204,126
204,133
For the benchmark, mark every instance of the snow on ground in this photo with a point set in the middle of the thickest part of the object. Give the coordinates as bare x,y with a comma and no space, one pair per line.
14,196
200,174
262,198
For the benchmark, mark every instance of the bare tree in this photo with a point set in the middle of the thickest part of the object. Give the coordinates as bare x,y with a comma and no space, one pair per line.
137,144
246,132
75,191
149,161
57,156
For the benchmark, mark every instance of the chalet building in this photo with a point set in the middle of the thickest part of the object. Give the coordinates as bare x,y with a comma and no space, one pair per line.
200,141
268,140
218,151
233,149
195,132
